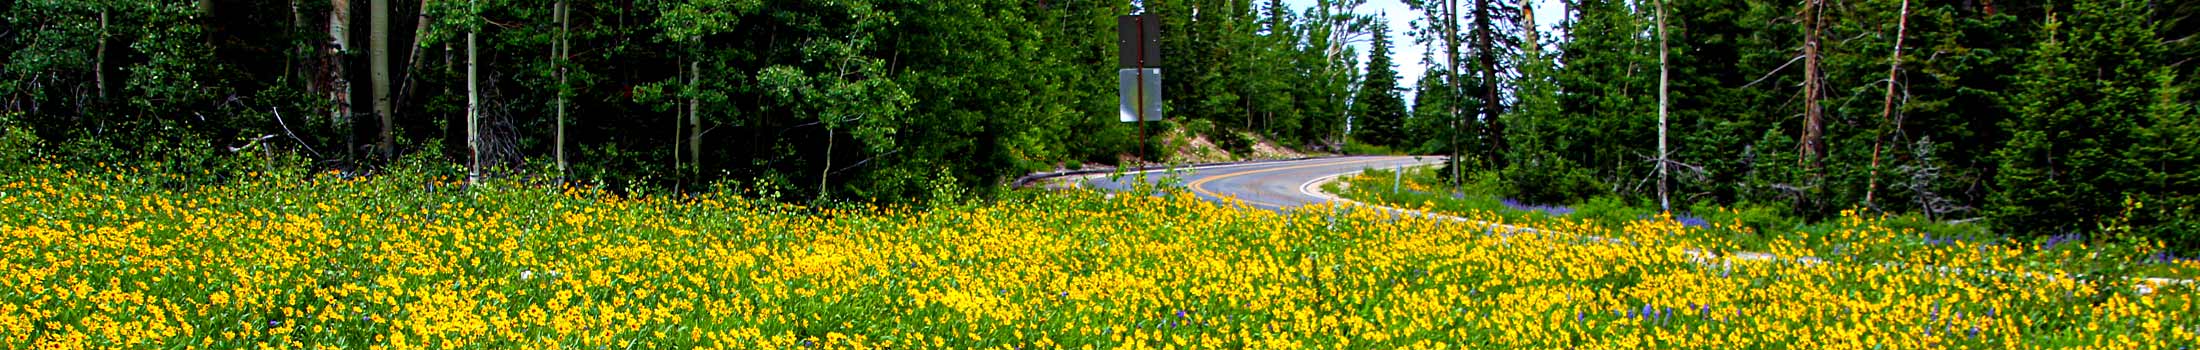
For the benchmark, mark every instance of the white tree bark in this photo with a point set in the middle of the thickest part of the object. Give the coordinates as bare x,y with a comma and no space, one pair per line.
473,109
340,89
378,44
1665,202
1886,113
565,28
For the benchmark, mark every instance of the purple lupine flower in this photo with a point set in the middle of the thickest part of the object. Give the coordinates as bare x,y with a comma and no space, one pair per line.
2058,240
1974,332
1692,221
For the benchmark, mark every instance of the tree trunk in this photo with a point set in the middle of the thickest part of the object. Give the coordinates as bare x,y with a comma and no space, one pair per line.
412,56
1665,202
678,126
340,88
558,61
1490,107
294,67
99,60
473,109
1886,112
1459,121
1528,29
1813,142
695,118
378,43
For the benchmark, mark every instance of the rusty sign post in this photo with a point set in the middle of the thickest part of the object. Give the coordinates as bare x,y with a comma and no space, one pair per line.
1138,38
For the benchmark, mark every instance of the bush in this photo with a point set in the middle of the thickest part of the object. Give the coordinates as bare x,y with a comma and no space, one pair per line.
18,146
1611,209
1362,148
1238,143
2173,220
1549,180
1199,126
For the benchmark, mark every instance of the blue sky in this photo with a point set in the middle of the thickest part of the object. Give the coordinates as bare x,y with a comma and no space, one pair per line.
1407,54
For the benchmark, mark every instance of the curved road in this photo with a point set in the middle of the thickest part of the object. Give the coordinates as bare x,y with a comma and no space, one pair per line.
1265,185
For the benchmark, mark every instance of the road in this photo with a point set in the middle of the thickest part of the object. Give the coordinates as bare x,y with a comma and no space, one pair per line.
1265,185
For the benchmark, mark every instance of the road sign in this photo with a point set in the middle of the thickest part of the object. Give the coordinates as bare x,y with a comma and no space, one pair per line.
1128,91
1138,35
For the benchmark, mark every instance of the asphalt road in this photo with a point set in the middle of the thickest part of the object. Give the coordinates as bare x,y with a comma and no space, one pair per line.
1264,185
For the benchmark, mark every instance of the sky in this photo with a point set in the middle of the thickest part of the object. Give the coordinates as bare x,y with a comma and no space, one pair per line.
1407,54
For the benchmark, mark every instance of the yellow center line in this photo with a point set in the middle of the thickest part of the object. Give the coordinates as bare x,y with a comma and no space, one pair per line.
1200,186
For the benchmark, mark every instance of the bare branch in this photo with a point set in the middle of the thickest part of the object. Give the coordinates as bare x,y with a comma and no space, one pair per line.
1775,71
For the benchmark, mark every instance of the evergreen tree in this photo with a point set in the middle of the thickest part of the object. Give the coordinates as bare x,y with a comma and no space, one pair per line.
2088,93
1379,111
1609,81
1428,127
1539,132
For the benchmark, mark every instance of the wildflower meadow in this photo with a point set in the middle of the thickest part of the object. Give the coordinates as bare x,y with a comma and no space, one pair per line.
126,259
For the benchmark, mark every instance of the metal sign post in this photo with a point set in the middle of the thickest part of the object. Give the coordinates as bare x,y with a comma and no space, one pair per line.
1139,43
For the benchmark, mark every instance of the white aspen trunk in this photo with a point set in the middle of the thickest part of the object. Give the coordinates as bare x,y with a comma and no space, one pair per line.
99,60
565,29
412,53
378,44
677,126
340,89
695,117
1886,112
1665,202
473,107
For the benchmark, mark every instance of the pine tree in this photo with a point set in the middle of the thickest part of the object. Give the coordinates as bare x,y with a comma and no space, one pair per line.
1379,110
2087,91
1539,131
1609,78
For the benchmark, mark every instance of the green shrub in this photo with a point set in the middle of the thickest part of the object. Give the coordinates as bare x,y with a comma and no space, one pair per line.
18,146
1611,209
1238,143
1549,180
1355,147
1198,127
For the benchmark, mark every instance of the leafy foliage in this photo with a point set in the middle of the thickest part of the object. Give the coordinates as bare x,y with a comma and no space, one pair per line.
877,100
